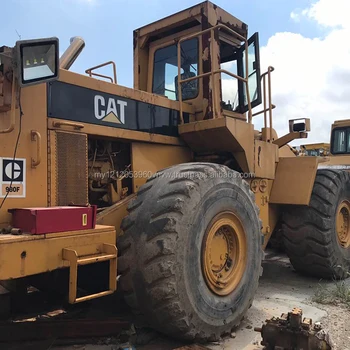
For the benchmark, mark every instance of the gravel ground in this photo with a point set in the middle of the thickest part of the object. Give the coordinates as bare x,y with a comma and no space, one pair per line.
337,323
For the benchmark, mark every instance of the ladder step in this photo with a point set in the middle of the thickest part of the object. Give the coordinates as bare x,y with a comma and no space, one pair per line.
109,253
90,259
93,296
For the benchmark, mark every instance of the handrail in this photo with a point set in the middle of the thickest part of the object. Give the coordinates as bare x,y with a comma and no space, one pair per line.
213,72
89,71
271,106
269,70
35,136
263,110
77,126
269,89
265,106
102,76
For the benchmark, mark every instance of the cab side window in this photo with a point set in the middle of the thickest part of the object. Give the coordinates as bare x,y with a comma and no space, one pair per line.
165,71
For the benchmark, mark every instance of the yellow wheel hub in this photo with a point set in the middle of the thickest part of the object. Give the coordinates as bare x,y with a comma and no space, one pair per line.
343,224
224,253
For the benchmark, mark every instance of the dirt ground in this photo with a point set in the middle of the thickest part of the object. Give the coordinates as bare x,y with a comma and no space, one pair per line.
337,322
280,289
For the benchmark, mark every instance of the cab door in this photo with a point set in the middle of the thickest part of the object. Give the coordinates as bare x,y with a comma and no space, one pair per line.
253,74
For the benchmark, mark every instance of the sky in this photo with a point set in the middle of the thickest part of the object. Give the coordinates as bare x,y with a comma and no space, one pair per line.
306,41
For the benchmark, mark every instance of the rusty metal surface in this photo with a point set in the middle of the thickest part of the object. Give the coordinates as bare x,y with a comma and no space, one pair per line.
191,22
213,13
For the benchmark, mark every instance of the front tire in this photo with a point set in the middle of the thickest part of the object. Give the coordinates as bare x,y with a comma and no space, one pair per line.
188,225
317,237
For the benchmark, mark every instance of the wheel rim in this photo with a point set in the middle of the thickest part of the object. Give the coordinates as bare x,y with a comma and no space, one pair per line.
224,253
343,224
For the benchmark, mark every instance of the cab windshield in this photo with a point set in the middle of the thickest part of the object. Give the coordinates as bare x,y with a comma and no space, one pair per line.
341,141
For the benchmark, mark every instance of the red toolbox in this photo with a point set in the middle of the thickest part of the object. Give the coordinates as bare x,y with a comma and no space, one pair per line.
53,219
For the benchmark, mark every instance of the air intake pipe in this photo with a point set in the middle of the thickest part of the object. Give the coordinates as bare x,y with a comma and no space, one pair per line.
73,51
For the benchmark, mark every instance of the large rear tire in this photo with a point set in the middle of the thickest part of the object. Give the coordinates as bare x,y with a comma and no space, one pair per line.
317,237
191,251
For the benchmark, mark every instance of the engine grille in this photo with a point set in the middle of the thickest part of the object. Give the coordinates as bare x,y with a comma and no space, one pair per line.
71,168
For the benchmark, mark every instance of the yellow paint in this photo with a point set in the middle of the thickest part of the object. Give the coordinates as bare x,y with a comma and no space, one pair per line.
27,255
294,180
343,224
224,253
145,163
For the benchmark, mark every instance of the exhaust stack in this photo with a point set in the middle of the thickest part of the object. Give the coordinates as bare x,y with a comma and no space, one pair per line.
73,51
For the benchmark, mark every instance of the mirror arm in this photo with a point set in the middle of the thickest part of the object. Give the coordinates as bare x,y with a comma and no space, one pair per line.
282,141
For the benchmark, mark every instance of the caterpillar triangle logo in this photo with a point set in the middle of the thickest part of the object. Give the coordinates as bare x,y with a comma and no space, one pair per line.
109,109
111,118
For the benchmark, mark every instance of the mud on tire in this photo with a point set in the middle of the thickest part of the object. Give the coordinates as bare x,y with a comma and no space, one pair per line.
160,262
310,233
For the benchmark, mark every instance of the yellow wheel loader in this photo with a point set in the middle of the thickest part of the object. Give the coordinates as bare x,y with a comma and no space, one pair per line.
314,149
181,182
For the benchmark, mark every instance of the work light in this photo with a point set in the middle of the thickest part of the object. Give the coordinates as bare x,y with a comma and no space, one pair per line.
37,61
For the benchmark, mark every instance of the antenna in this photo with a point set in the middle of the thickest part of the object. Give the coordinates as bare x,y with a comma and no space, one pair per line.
19,36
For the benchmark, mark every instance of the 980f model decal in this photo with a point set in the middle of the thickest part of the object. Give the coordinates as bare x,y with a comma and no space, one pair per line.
12,177
76,103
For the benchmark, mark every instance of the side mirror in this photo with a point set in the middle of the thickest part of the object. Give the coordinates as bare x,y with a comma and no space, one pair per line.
37,61
302,125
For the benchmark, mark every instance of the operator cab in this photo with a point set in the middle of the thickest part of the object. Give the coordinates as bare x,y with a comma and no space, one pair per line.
206,48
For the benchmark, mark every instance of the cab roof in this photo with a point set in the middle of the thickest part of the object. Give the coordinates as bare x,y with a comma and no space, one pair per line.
206,13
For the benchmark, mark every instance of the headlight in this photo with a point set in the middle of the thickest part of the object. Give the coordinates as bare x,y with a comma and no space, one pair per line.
37,61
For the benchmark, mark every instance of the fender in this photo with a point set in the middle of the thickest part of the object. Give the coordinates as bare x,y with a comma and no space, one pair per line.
288,188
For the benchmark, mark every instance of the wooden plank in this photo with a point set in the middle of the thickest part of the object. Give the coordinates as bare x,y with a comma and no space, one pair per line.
63,328
192,347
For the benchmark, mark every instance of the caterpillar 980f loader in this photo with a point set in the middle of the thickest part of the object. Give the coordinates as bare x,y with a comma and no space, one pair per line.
179,175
